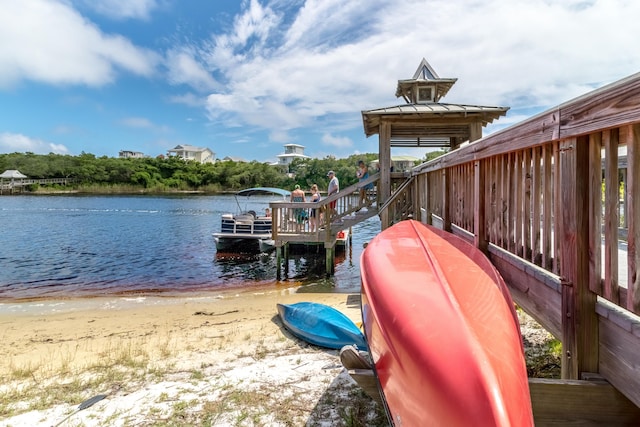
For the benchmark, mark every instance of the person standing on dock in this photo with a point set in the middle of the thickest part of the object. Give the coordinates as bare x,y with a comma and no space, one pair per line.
315,215
334,187
297,195
363,173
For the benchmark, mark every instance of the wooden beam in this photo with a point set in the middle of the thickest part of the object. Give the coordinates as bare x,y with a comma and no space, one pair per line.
384,186
580,403
579,322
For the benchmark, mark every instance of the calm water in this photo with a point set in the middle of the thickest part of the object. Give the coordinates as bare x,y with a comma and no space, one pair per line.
72,246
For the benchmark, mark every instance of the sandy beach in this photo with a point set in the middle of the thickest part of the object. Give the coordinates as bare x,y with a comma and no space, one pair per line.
217,359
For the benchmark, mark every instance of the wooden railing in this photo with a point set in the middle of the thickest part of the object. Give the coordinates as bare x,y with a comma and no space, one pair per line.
10,184
542,200
311,222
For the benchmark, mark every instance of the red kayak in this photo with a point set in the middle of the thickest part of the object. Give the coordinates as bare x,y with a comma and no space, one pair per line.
442,331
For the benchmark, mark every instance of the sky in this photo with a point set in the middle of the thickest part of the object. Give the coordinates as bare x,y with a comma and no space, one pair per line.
243,78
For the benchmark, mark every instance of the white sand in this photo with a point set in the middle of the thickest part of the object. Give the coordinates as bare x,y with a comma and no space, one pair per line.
223,359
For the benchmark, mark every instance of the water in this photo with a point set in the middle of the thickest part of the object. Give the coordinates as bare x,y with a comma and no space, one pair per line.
85,246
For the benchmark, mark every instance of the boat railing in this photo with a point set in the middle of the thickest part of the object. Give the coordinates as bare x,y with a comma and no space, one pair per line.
245,223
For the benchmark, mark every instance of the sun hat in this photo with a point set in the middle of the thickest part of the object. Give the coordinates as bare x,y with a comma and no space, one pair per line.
331,173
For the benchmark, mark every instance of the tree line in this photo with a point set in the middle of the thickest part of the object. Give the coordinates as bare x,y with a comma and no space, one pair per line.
95,174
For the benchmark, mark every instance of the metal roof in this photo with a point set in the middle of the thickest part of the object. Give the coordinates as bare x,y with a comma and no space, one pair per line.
431,124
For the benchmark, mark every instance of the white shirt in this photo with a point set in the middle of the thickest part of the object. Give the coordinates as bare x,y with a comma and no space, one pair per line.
334,186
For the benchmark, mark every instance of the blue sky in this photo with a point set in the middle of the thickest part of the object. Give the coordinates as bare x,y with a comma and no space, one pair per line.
246,77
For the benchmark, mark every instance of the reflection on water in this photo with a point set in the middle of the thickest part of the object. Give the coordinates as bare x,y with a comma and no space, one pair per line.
63,246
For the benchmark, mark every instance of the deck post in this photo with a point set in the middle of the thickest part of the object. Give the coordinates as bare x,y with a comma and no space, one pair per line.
285,248
330,260
579,318
278,262
384,187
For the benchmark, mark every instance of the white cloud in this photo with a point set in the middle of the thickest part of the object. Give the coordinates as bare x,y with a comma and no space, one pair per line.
52,43
137,122
143,123
184,68
328,61
123,9
337,141
18,143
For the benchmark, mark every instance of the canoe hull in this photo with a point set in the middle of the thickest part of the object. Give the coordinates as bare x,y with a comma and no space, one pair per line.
442,331
320,325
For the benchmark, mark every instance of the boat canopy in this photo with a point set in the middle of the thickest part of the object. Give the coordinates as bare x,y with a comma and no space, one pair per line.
263,191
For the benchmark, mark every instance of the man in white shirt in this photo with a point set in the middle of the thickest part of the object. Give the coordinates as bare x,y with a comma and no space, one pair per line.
334,187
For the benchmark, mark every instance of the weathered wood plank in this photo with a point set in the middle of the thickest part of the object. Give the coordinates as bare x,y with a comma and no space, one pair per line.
526,205
619,358
609,107
446,208
536,290
547,199
632,140
501,206
536,205
595,214
518,201
579,325
580,403
611,215
557,210
480,230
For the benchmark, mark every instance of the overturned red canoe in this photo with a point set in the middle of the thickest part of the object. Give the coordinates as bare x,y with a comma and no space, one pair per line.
442,331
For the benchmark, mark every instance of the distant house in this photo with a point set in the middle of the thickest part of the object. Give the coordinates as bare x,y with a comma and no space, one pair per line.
398,163
234,159
189,152
291,152
126,154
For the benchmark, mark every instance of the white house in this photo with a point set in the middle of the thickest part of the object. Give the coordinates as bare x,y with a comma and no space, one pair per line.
189,152
291,152
127,154
398,163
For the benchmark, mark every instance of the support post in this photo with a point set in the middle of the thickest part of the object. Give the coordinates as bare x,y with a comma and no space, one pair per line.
330,260
384,187
286,259
579,320
278,262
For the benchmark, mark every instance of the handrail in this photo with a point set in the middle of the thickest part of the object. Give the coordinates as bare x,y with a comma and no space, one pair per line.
547,193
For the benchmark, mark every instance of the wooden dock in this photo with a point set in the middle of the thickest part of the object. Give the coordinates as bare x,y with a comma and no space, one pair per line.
293,221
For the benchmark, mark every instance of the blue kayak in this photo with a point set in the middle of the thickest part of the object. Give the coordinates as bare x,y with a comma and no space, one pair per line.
321,325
